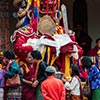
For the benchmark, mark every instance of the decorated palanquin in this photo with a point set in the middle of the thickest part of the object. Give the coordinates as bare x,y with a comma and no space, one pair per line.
38,28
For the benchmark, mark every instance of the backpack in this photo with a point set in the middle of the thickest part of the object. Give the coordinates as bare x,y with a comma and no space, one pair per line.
2,73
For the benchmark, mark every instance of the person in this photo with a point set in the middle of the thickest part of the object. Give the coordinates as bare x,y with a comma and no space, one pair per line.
74,85
52,88
28,71
93,51
83,39
83,69
40,74
2,79
86,64
12,68
94,78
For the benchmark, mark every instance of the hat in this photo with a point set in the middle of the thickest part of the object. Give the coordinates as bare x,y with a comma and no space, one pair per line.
50,69
45,24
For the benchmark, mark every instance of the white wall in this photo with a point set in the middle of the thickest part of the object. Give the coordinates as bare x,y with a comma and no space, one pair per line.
93,17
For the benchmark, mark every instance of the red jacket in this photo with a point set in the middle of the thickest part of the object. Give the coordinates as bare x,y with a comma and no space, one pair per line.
53,89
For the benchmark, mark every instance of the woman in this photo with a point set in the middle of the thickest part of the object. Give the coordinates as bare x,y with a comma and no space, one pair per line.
94,78
12,68
75,84
28,71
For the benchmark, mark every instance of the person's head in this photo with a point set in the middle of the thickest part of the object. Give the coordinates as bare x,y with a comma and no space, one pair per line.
98,43
36,55
78,28
86,62
9,55
74,70
50,70
29,58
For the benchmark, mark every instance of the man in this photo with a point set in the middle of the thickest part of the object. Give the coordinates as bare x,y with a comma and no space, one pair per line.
40,74
52,88
93,51
83,39
28,71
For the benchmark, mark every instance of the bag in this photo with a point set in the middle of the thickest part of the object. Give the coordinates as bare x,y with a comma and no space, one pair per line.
87,89
14,81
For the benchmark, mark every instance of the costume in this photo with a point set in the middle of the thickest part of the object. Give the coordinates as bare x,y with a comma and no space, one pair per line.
94,78
44,33
53,89
28,92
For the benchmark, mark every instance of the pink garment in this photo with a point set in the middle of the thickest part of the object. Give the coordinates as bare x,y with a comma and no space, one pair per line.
53,89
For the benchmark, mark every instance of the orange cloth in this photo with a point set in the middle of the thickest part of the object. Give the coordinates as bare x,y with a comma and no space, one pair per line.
53,89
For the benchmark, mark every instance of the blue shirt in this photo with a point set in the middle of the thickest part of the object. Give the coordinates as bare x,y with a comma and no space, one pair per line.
94,77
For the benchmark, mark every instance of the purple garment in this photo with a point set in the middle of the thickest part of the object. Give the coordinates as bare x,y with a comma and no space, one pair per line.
2,78
28,92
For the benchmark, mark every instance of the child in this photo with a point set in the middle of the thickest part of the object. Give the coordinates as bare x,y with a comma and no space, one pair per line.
75,84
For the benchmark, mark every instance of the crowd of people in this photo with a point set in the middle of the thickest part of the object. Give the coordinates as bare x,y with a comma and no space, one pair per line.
38,81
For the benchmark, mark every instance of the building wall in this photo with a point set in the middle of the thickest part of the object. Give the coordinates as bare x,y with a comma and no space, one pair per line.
4,26
93,17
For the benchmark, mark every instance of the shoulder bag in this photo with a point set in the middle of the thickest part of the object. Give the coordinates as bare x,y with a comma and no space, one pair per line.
86,89
14,81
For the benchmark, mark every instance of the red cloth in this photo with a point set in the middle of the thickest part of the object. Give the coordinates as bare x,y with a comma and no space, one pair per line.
28,92
93,52
53,89
20,50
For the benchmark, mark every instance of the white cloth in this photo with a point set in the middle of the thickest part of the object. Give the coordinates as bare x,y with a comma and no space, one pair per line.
1,93
74,86
59,41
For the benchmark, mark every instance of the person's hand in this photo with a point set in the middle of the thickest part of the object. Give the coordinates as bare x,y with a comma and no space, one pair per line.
35,83
63,79
68,78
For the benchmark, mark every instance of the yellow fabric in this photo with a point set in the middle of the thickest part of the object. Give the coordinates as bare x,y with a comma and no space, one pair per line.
54,57
67,66
36,71
38,3
48,59
29,2
27,69
43,53
0,65
59,30
19,61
